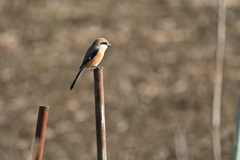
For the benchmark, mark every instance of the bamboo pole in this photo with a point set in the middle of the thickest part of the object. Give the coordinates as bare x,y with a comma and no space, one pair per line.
218,80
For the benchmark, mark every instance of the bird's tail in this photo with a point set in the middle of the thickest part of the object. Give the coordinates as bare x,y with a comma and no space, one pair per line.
75,80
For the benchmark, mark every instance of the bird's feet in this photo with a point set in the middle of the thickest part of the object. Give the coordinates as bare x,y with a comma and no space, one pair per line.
94,67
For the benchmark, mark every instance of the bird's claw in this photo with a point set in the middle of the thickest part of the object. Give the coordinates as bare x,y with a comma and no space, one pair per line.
94,67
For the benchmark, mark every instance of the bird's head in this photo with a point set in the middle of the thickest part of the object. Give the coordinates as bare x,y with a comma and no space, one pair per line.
102,42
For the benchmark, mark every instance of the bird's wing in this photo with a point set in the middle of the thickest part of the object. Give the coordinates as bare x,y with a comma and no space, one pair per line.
89,55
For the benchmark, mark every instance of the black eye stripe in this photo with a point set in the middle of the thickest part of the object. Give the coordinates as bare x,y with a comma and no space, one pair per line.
103,43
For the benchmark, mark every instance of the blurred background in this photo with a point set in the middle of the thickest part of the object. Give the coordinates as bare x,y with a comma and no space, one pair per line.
158,75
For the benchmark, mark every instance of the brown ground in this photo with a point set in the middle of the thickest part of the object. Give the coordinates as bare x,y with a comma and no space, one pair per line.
158,74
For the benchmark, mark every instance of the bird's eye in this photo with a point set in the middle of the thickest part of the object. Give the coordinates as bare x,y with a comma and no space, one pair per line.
103,43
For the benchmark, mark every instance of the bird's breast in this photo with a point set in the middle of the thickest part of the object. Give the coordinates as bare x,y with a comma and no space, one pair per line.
95,60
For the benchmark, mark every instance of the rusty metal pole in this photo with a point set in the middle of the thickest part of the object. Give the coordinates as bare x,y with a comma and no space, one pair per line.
100,114
41,129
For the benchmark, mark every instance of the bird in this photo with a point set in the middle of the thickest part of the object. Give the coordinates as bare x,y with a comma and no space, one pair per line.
93,56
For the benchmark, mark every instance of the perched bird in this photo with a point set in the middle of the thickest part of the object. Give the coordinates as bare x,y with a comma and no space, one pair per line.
93,56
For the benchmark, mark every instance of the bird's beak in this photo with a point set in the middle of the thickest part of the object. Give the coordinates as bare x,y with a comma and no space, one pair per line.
109,45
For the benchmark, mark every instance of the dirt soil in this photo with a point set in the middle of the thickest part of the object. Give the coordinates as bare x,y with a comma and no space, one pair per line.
158,75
